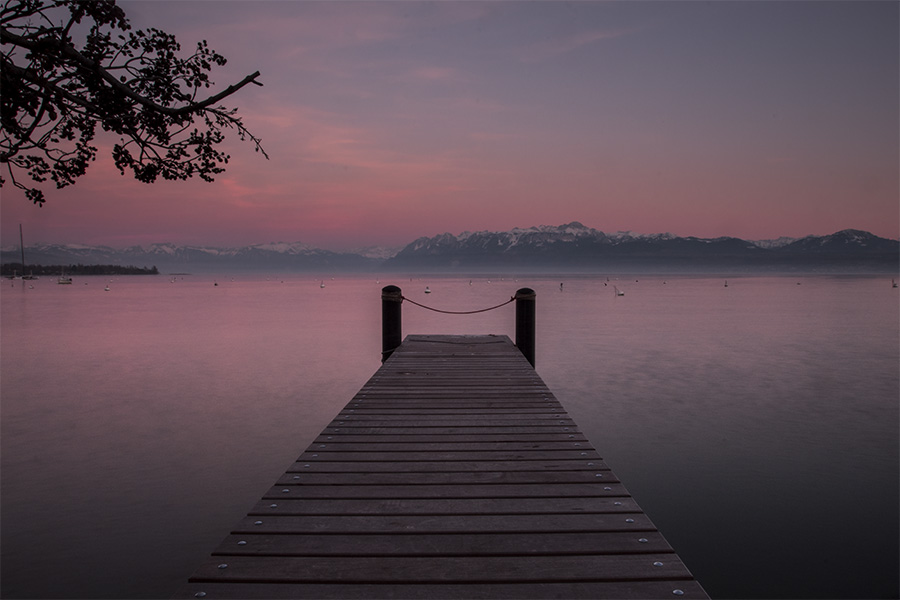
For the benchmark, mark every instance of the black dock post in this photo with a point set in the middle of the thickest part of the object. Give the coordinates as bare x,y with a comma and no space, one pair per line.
525,322
391,335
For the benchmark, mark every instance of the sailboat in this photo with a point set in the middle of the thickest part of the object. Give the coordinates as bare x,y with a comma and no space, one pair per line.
30,276
618,291
893,283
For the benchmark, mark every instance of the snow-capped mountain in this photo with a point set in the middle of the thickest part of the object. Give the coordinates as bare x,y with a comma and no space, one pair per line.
542,239
775,243
572,246
575,246
572,242
376,252
273,256
848,241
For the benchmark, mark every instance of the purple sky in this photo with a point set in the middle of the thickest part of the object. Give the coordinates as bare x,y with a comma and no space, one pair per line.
386,121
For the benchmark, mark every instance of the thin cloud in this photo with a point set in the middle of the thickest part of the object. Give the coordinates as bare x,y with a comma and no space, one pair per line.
556,47
492,136
436,74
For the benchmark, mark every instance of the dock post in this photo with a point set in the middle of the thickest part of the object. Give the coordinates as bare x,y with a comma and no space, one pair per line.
525,322
391,335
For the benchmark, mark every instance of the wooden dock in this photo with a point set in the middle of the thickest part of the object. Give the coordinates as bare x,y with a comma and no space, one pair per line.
453,473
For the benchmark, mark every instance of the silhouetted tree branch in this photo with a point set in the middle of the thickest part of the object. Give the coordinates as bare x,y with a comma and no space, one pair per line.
130,83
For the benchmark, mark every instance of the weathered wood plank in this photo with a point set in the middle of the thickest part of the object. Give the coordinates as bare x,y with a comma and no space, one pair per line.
447,478
447,523
332,451
430,410
415,466
418,569
449,544
505,490
425,420
487,432
423,427
443,506
624,590
601,489
390,443
448,399
419,404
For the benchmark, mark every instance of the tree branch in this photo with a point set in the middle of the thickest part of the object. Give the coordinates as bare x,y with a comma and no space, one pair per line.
56,94
70,52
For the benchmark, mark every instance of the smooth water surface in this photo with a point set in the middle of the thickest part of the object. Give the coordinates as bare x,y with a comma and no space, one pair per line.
756,424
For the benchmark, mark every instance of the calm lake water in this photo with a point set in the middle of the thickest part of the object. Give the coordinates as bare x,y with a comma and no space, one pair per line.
756,424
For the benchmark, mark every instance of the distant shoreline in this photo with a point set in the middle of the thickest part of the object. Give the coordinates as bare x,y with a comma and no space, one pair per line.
11,270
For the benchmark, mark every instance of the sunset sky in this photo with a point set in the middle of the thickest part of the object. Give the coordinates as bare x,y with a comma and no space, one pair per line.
387,121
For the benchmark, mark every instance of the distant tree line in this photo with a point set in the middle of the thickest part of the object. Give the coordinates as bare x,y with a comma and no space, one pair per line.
12,269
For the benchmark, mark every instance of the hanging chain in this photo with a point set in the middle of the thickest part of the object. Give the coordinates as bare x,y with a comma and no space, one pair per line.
458,312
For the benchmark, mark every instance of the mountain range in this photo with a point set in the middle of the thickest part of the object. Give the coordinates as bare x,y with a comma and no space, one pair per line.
570,247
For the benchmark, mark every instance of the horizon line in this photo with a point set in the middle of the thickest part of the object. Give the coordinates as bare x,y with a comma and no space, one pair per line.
403,245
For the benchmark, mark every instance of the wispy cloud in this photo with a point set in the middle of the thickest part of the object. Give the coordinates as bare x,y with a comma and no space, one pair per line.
331,156
559,46
436,74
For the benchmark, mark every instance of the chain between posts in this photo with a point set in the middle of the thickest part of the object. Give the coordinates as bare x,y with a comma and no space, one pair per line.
458,312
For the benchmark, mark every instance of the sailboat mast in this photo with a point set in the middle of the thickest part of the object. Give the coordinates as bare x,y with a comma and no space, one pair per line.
22,246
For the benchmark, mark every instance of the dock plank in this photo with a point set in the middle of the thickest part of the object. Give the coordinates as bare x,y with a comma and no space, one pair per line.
624,590
449,491
418,466
454,472
455,478
326,452
443,506
448,523
450,544
401,444
435,569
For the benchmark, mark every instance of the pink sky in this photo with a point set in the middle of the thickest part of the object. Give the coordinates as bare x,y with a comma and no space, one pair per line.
387,121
